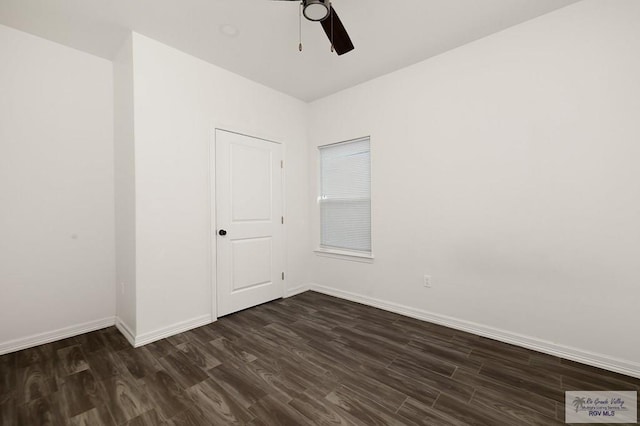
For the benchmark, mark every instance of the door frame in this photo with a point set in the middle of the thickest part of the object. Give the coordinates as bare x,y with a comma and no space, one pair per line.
213,240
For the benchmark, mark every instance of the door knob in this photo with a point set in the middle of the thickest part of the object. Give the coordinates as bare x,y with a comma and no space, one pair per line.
222,232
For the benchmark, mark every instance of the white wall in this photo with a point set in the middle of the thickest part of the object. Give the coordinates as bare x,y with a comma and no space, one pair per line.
508,170
179,100
125,192
56,190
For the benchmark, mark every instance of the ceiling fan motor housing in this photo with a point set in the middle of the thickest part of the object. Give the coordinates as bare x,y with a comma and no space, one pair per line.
316,10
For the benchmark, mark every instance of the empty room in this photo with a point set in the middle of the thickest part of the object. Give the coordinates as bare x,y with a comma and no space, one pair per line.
319,212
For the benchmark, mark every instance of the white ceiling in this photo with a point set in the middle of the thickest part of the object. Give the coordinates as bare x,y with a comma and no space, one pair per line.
388,35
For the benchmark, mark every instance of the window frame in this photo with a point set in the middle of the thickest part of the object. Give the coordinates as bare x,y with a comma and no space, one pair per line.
340,253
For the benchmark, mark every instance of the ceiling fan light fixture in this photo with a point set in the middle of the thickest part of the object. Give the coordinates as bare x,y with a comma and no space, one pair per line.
316,10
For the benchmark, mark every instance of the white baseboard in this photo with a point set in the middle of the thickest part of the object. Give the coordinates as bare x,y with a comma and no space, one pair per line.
605,362
297,290
52,336
162,333
617,365
126,331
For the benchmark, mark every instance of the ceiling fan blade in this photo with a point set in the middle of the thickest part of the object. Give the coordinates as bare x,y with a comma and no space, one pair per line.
341,40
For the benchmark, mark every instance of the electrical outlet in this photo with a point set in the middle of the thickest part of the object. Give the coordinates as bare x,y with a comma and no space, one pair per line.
427,281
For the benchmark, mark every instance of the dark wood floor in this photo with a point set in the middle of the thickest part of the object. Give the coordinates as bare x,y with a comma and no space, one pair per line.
310,359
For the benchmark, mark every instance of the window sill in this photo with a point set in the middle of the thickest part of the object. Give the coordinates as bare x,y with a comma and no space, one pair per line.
352,256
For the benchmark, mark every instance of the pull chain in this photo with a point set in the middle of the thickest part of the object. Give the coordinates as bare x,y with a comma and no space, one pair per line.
300,27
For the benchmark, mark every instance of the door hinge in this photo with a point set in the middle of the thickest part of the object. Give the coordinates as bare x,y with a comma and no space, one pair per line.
282,164
282,219
283,276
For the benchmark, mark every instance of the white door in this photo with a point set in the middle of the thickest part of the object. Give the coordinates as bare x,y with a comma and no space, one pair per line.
249,220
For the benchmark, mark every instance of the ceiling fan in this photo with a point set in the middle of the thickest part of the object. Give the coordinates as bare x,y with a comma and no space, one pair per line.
322,11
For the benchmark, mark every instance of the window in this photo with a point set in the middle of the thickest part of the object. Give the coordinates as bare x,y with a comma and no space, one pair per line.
345,196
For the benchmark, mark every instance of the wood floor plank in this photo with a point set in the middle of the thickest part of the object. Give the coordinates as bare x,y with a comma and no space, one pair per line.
194,416
433,380
249,320
99,416
280,387
8,379
522,396
92,342
329,318
465,339
470,415
279,314
225,350
168,397
228,329
386,332
303,374
369,337
366,410
422,365
45,411
114,339
106,364
358,351
372,316
265,347
203,335
81,392
272,411
305,307
71,360
601,374
126,398
416,389
336,352
313,331
309,359
8,409
306,353
447,351
573,383
159,349
591,376
139,362
416,329
150,418
423,414
8,359
369,388
64,343
519,377
217,404
35,381
283,332
320,411
487,349
182,369
238,385
510,408
38,354
199,355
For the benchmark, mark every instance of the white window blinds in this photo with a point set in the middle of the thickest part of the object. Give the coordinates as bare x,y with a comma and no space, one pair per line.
345,196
